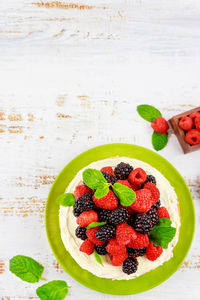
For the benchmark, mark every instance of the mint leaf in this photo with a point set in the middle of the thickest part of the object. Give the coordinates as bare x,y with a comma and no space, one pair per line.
124,193
162,233
97,257
53,290
93,178
101,191
66,199
159,140
148,112
95,224
26,268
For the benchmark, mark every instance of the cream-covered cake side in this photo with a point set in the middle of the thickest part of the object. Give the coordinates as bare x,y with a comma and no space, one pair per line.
68,224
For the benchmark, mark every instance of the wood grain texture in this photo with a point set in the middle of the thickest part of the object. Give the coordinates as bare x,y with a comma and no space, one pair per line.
72,74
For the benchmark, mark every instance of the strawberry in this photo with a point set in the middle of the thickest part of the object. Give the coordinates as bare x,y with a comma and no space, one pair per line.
195,114
186,123
140,242
192,137
128,184
137,176
87,247
91,236
114,247
125,234
117,260
197,123
86,218
160,125
155,193
110,201
108,170
152,252
143,201
162,212
80,190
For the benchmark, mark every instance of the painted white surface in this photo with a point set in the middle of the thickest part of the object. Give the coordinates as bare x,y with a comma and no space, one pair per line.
70,79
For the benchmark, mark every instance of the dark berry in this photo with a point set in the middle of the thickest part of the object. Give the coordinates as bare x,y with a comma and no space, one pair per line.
130,219
103,215
81,233
106,176
84,202
130,265
156,205
101,249
105,232
113,179
151,178
136,252
118,215
152,213
122,170
142,223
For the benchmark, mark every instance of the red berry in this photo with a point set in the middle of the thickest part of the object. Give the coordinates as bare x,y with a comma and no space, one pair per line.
114,248
197,123
140,242
195,114
128,184
91,236
143,201
137,176
117,260
155,193
186,123
160,125
152,252
192,137
110,201
87,247
86,218
108,170
80,190
125,234
162,212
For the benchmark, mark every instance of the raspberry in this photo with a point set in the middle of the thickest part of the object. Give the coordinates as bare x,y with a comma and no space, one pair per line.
125,234
128,184
192,137
142,223
86,218
137,176
153,215
154,192
136,252
197,123
114,248
117,260
130,265
108,170
110,201
105,232
140,242
186,123
101,250
194,115
152,252
151,178
118,215
157,204
87,247
160,125
91,236
83,203
123,170
163,213
104,215
143,200
80,233
80,190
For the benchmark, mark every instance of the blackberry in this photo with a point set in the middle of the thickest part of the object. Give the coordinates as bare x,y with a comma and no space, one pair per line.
81,233
118,215
123,170
106,176
103,215
101,249
130,265
152,213
113,179
136,252
105,232
130,219
142,223
151,178
84,202
157,204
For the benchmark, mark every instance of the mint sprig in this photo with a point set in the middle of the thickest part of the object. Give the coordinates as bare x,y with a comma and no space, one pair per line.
124,193
97,257
66,199
95,224
162,233
159,140
53,290
148,112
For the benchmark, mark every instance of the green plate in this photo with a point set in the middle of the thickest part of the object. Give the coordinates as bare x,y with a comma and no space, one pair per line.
150,279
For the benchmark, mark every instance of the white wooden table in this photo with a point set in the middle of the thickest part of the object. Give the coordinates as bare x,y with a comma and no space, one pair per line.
71,76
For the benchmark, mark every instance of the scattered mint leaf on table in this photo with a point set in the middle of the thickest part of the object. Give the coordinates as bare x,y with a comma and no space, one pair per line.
97,257
53,290
124,193
148,112
162,233
95,224
159,140
26,268
66,199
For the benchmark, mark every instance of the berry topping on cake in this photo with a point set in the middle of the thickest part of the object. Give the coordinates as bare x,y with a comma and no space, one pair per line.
151,178
108,170
153,252
141,241
123,170
163,212
86,218
137,176
157,204
87,247
118,215
91,236
81,233
142,223
114,247
128,184
154,191
136,252
143,200
118,259
103,215
83,203
110,201
130,265
101,250
125,234
80,190
105,232
153,214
